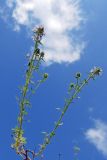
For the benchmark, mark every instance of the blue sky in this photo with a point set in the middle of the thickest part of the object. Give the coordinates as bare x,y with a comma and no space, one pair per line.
85,123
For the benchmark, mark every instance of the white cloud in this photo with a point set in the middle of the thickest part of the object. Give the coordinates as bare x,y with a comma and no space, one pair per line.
98,136
3,14
10,3
60,18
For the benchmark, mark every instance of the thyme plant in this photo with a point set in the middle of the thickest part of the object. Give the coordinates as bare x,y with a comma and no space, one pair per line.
34,62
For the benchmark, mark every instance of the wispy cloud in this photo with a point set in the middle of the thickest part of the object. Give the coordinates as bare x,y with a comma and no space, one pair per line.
60,19
98,136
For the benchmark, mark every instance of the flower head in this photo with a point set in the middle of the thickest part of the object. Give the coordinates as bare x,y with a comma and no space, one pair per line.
38,33
96,71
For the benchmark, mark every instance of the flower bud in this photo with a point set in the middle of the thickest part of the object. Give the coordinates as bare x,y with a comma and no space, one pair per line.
37,51
42,54
78,75
72,85
45,75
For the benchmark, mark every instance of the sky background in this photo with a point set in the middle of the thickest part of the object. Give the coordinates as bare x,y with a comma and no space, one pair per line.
76,40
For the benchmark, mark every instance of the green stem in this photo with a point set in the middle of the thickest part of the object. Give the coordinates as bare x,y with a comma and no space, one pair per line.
25,89
65,108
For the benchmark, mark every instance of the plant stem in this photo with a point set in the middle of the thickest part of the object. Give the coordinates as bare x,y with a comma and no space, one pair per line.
65,108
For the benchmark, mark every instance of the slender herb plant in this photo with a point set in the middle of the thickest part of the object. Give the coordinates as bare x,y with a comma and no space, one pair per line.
74,89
